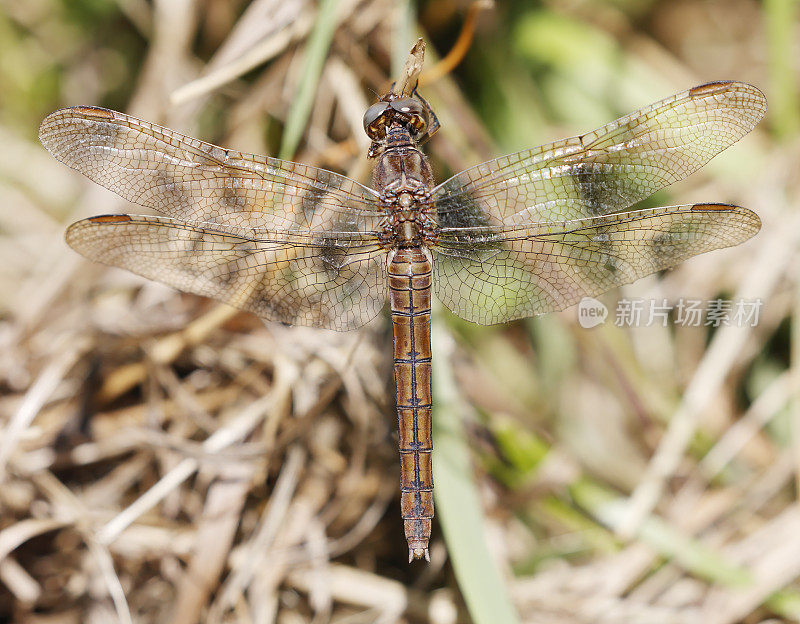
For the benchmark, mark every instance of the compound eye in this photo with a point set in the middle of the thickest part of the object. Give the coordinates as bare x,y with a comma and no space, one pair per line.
374,113
407,106
412,110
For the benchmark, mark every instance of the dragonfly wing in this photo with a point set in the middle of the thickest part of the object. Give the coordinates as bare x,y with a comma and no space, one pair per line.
194,181
606,170
490,276
334,280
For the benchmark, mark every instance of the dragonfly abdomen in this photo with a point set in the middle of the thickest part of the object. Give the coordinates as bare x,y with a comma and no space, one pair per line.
410,300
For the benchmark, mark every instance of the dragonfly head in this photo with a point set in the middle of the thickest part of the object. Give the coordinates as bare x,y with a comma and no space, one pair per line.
410,113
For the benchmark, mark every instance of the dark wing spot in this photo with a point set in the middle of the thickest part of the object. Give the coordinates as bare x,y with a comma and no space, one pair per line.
234,197
324,182
261,301
104,134
603,245
680,235
331,254
596,187
311,202
459,209
171,190
335,248
463,222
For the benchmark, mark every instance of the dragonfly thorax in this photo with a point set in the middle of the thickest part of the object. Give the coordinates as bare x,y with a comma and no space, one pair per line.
407,222
404,180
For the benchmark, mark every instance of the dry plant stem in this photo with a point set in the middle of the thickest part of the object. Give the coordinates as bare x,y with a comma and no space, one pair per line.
256,550
388,598
767,405
232,432
168,57
36,397
407,81
24,530
66,504
21,584
284,555
261,20
113,584
775,553
165,351
259,53
367,523
213,539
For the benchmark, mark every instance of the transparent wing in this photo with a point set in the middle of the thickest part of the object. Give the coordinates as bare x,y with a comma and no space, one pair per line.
603,171
200,183
333,280
488,276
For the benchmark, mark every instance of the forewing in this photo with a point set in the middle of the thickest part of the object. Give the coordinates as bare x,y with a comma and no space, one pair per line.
200,183
487,277
336,281
607,170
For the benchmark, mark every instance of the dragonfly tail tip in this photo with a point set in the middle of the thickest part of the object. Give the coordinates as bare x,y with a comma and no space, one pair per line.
418,553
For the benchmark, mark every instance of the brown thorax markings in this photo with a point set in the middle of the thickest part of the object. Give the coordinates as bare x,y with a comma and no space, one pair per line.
408,221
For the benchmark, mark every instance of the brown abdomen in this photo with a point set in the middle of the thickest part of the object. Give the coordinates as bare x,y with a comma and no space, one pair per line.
410,300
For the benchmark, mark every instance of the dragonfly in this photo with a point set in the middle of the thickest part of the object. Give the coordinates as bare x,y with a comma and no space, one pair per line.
517,236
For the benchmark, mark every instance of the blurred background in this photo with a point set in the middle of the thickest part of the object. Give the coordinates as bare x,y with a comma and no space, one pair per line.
165,459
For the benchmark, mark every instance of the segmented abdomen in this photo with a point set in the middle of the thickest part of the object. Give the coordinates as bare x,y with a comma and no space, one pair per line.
410,300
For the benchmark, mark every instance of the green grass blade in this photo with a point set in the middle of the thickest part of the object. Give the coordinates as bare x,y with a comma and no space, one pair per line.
319,41
457,503
784,99
684,550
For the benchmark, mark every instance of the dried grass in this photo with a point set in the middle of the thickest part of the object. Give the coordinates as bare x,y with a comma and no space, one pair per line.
165,459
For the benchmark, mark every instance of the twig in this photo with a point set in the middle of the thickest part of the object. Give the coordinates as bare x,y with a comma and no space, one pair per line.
407,81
